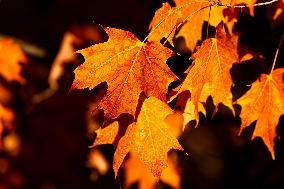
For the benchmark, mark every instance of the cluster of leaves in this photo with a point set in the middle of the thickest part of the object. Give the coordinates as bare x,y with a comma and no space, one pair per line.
140,83
131,67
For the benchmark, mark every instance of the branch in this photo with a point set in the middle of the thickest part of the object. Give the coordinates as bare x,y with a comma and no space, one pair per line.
244,6
257,4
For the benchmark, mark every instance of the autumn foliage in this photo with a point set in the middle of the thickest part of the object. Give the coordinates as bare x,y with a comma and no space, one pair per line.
142,106
131,66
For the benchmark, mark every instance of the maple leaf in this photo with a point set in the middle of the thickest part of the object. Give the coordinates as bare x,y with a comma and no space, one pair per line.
175,123
107,135
264,104
11,56
136,172
185,105
192,13
210,73
129,67
164,23
148,138
199,12
190,113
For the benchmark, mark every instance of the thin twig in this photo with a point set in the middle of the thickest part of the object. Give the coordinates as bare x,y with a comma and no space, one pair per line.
244,6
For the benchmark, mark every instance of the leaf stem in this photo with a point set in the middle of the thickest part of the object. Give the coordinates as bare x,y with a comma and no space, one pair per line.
276,54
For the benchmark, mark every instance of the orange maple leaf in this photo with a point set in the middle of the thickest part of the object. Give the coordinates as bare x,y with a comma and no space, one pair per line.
188,109
175,122
136,172
148,138
192,13
107,135
129,67
264,103
11,56
164,23
210,73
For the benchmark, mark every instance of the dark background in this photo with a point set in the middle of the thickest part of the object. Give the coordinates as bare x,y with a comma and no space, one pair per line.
43,22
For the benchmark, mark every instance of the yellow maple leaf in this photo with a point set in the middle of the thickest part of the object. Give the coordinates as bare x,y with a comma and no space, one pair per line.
210,73
149,138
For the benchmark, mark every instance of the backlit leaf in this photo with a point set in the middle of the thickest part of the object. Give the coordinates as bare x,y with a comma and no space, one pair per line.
137,173
191,13
149,138
107,135
264,103
129,67
210,73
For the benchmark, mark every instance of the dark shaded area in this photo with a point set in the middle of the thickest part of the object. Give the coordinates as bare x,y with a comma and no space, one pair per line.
54,132
219,158
53,137
44,22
